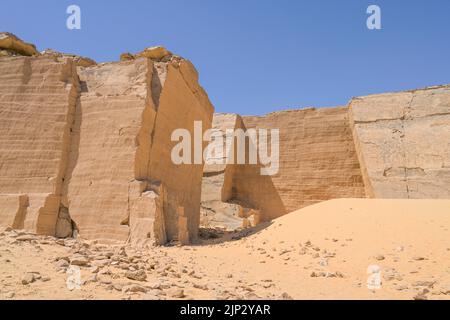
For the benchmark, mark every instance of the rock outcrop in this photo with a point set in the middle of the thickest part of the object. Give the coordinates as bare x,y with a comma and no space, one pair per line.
403,143
37,102
123,178
317,157
394,145
78,60
10,45
86,148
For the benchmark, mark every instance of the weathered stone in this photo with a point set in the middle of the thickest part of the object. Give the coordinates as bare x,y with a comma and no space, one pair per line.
13,44
62,264
26,237
379,257
127,56
154,53
79,260
138,275
134,288
176,293
64,226
78,60
28,278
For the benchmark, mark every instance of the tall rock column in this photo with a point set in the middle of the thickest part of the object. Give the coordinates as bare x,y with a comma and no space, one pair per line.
122,184
38,97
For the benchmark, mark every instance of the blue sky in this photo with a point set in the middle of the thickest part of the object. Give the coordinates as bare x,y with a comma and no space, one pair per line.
256,57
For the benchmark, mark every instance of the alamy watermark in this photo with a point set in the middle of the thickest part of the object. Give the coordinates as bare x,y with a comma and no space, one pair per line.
374,279
73,22
228,147
374,20
73,278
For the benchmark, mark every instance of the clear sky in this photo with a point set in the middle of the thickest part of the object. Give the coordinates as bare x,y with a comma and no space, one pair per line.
259,56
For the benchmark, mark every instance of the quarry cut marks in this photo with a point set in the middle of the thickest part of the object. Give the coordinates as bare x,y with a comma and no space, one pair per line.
86,147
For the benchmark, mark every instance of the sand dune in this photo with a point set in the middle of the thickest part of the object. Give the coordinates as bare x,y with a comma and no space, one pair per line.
319,252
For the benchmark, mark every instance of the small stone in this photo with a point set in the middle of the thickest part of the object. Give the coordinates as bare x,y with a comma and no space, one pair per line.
379,257
177,293
79,260
28,278
138,275
418,258
155,285
286,296
10,295
134,288
200,286
427,284
26,237
117,286
62,264
421,295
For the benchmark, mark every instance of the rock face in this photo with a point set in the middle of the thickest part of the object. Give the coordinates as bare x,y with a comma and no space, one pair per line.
86,149
403,143
317,162
218,207
123,178
89,149
37,100
317,159
78,60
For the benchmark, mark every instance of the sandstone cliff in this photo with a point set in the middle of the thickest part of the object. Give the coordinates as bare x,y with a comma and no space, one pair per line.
317,157
394,145
38,99
86,150
403,143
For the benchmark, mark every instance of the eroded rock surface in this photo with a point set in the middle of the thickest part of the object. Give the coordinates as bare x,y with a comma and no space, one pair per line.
86,148
11,45
317,162
403,143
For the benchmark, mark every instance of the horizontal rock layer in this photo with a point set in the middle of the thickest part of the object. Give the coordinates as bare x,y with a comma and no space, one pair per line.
90,149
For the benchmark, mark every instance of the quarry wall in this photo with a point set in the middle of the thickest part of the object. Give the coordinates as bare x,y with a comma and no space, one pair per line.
403,143
85,149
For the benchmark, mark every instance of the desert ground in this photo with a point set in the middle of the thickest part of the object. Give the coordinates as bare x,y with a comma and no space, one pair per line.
319,252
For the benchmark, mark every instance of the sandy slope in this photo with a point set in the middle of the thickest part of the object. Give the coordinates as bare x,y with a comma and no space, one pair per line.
320,252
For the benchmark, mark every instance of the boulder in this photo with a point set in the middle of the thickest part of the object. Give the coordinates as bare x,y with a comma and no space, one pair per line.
12,45
154,53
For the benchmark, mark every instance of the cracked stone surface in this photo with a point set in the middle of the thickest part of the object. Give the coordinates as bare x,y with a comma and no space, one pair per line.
403,143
